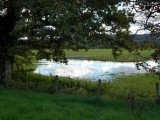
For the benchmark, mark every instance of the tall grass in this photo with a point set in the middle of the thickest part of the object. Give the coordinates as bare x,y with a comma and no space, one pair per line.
22,105
143,85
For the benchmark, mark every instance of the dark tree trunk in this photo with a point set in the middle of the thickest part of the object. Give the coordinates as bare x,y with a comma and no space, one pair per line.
5,72
7,42
8,72
2,72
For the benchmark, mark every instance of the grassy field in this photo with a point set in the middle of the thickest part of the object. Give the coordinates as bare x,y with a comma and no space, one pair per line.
106,55
69,103
28,97
23,105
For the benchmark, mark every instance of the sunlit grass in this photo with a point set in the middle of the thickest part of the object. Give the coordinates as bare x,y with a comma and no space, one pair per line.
106,55
143,86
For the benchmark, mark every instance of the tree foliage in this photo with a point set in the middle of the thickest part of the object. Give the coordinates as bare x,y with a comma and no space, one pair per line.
49,26
150,11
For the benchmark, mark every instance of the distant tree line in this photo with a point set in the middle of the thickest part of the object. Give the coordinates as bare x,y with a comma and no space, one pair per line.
142,42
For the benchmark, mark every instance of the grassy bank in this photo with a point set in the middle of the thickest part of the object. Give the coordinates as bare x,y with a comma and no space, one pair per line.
143,86
22,105
106,55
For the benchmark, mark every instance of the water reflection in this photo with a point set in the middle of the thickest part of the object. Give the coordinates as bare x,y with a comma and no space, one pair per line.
85,69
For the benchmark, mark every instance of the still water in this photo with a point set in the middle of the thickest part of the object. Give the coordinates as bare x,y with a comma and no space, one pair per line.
92,70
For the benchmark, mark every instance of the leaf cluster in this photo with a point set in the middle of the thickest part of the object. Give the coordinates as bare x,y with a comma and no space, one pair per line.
50,26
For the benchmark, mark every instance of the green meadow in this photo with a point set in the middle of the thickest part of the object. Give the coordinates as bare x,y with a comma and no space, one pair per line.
37,97
106,55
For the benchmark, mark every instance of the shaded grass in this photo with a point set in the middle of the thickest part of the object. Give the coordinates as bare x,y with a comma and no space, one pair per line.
22,105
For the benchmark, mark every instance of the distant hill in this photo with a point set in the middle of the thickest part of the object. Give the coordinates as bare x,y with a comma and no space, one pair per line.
144,37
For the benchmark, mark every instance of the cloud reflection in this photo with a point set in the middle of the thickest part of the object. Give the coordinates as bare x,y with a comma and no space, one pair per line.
85,69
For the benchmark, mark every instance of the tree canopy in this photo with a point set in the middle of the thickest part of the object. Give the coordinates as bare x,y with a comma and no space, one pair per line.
150,12
58,24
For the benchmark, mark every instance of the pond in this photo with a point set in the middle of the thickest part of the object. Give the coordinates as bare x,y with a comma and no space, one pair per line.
92,70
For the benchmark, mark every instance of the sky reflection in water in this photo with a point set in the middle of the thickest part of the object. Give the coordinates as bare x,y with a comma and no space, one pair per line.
84,69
